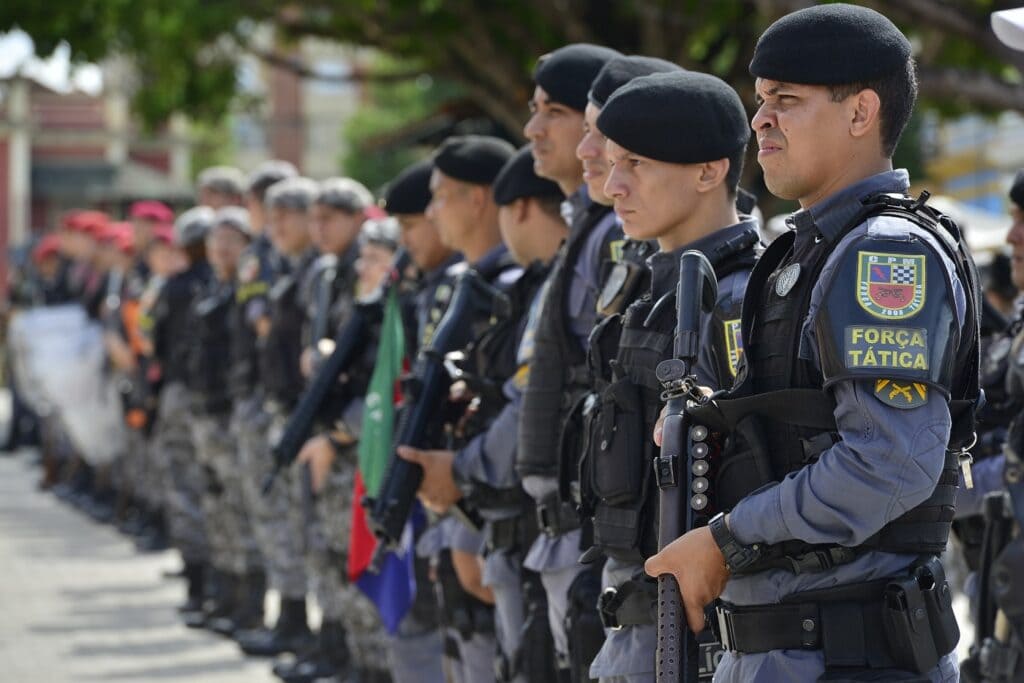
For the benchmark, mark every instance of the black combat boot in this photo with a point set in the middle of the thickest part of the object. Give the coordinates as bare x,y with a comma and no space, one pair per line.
290,634
330,657
154,537
195,576
222,602
249,593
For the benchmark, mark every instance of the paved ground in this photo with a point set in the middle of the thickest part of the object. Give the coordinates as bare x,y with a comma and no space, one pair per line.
80,604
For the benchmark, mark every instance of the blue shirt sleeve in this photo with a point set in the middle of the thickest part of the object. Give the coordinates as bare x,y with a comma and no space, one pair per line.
887,461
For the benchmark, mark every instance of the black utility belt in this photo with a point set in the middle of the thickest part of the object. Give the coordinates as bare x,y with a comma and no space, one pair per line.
556,517
634,603
904,623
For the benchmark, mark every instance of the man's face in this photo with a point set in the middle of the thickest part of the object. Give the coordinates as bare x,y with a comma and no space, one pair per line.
1016,240
512,233
217,200
165,259
142,231
372,267
224,246
591,153
421,239
289,230
334,230
254,205
555,130
803,140
451,209
650,197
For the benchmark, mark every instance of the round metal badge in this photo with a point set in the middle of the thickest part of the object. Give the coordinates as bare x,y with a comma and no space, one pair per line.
787,279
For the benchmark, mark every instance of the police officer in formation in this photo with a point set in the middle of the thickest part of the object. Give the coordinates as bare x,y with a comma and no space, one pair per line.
682,196
869,308
839,371
557,374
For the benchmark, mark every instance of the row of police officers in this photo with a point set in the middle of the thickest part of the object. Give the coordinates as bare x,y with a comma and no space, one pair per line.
836,380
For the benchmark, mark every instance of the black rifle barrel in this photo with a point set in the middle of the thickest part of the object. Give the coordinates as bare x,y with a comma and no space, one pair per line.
390,508
696,292
349,344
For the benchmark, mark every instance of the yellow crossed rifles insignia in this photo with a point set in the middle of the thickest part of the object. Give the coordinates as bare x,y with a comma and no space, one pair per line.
904,395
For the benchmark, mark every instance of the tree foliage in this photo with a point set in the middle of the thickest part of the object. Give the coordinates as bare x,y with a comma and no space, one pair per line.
185,50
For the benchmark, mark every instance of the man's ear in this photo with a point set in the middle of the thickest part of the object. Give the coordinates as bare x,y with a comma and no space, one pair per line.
865,110
712,174
522,209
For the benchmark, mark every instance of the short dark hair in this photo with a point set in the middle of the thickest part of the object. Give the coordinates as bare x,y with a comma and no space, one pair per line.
897,93
549,204
732,178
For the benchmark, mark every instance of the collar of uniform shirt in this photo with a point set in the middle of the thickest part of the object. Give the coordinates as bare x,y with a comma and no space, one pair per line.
832,214
665,265
489,261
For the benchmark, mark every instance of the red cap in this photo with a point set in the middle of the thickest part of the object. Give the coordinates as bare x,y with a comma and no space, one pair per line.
164,234
89,222
152,210
125,243
47,247
374,212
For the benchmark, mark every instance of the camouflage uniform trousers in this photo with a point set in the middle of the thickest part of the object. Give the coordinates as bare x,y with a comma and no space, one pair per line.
278,544
327,534
232,543
184,478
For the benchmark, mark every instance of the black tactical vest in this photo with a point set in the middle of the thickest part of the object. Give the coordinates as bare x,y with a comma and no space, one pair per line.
281,349
558,373
492,362
210,352
171,317
773,441
615,473
255,272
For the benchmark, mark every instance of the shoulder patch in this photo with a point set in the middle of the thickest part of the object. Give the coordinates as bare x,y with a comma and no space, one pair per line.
902,395
891,286
882,346
734,343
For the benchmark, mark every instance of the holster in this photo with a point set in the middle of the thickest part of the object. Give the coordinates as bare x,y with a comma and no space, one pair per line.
583,623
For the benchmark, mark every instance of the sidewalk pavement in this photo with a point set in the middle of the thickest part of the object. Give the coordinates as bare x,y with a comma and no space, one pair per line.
80,604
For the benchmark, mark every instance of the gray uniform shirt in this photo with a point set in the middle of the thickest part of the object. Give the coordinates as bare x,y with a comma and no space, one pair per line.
630,651
887,461
552,554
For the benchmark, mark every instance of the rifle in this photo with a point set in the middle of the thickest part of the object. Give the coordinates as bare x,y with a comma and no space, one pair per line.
427,393
696,292
348,345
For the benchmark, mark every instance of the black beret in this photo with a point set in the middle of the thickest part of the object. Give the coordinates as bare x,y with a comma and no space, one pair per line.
1017,189
566,73
619,71
473,158
681,117
409,192
830,45
518,179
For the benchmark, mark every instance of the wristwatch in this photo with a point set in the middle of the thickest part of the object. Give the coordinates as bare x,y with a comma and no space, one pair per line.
737,556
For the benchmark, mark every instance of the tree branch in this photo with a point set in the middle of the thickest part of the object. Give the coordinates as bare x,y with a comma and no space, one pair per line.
973,87
303,70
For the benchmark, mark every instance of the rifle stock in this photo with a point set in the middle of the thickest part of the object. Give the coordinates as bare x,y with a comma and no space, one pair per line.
681,484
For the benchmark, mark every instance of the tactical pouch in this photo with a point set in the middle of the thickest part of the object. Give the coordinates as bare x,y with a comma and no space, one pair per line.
938,600
616,470
744,464
907,626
